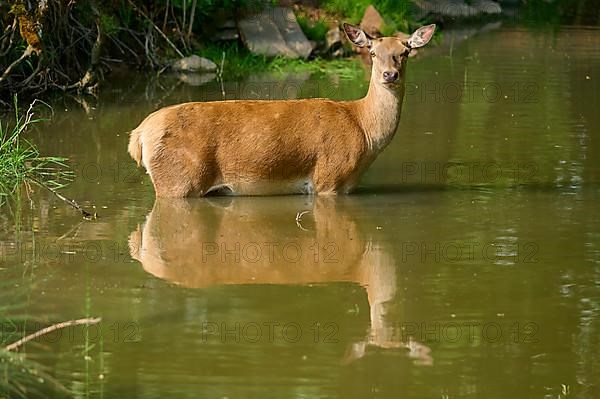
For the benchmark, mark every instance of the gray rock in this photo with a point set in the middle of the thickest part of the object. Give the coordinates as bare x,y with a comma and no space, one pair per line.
226,35
456,8
372,21
286,22
195,79
194,63
338,53
274,32
487,6
229,24
333,39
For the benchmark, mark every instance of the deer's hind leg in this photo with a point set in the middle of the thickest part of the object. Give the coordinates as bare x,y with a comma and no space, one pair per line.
175,175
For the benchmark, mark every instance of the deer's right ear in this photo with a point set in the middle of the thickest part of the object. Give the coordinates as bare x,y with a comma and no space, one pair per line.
357,36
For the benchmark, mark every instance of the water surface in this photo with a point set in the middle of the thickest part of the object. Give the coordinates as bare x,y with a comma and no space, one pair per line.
467,265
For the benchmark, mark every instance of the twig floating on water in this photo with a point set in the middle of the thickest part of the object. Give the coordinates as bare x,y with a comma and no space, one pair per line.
54,327
86,215
299,219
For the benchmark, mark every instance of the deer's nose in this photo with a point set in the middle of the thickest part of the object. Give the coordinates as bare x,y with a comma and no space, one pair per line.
390,76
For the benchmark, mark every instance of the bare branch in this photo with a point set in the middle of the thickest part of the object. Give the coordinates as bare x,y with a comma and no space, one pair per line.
26,54
50,329
192,13
157,28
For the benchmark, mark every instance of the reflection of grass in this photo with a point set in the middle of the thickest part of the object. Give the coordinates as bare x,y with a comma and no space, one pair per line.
239,63
19,377
346,68
20,160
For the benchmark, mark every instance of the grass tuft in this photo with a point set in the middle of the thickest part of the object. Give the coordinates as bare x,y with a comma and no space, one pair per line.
21,161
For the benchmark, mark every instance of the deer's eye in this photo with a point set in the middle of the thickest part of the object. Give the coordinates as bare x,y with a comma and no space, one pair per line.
373,54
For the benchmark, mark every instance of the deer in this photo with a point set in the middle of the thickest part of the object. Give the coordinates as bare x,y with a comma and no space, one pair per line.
198,244
275,147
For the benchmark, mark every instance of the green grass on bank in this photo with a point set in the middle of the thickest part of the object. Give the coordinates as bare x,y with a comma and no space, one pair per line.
314,30
21,161
239,62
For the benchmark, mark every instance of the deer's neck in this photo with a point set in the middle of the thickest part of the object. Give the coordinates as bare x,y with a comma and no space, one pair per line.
379,113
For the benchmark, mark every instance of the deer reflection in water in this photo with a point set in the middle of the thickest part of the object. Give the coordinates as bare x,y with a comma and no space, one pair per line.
200,243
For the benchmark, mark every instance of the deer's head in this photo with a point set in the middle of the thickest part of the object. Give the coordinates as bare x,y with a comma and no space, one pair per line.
389,54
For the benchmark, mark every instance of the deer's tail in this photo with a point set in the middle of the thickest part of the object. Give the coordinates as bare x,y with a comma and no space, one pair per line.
135,146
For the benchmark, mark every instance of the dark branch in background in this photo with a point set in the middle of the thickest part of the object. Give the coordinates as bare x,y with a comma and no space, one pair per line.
192,13
157,28
10,35
90,78
28,51
71,45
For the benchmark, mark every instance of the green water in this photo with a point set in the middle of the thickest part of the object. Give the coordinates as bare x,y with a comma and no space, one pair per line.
467,265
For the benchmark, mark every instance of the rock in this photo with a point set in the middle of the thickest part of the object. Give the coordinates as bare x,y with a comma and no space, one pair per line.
286,22
222,26
194,63
338,53
372,22
261,36
195,79
487,6
229,24
224,35
333,40
455,8
274,32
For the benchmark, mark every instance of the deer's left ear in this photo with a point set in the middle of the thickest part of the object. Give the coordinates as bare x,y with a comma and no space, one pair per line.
421,36
357,36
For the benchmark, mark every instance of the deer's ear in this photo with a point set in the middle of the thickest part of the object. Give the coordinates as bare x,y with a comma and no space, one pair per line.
421,36
357,36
